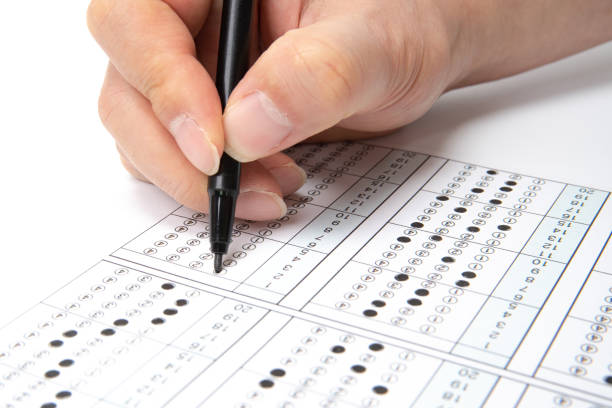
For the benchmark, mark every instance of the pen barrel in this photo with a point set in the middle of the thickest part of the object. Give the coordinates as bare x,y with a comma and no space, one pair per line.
232,64
228,176
221,232
223,189
234,44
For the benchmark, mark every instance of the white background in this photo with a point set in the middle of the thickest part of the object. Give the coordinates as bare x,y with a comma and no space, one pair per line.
66,201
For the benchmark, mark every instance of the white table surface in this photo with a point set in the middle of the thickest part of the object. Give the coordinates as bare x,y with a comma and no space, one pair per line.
66,201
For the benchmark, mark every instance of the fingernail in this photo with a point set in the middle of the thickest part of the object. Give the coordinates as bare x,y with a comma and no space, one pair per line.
260,205
254,126
290,177
194,144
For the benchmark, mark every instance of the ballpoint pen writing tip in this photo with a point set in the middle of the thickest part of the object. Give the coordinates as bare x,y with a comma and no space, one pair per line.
218,263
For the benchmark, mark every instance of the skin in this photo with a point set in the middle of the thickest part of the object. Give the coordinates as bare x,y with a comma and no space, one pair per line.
322,69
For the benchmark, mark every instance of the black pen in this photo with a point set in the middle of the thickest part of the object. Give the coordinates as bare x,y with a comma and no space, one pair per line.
232,64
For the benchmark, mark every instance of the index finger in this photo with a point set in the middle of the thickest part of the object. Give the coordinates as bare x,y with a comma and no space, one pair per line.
153,49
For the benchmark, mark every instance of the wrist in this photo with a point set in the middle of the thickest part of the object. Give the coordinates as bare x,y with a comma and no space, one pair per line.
489,40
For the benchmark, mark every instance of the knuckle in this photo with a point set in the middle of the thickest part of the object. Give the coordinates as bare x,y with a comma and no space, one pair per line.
187,191
324,71
105,107
155,80
401,51
127,165
153,77
132,170
110,102
98,12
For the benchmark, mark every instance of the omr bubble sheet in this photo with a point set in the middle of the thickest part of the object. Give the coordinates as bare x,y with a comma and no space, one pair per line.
395,279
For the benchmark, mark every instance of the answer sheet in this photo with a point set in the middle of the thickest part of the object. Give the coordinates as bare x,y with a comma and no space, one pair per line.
396,279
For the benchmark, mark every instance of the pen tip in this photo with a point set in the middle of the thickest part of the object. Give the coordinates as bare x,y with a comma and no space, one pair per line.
218,263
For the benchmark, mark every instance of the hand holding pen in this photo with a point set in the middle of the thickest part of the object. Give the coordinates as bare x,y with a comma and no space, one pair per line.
336,69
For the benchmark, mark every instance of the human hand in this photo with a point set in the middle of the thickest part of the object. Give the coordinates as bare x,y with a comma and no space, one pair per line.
336,69
346,63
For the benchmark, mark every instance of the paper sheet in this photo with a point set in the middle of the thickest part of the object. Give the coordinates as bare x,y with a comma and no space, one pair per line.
395,279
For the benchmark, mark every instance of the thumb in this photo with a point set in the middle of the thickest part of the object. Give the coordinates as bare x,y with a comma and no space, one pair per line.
308,80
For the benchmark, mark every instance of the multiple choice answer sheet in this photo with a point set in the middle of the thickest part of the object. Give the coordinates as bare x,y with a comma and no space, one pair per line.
396,279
